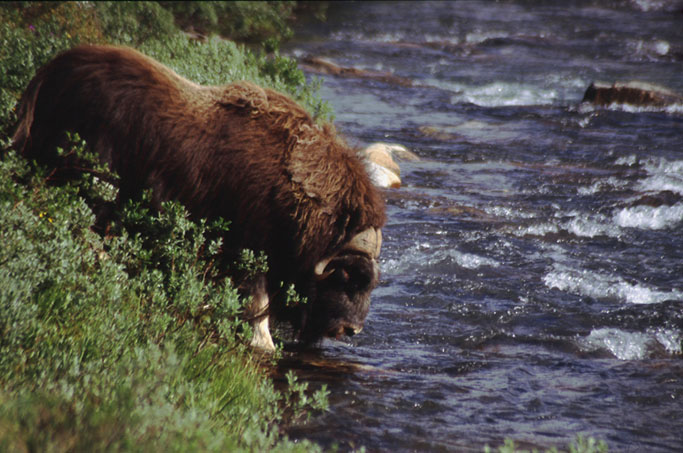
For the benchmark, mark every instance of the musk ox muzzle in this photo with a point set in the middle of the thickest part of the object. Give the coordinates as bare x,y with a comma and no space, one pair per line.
250,155
344,282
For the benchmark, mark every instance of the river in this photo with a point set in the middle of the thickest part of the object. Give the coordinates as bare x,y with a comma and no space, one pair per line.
532,266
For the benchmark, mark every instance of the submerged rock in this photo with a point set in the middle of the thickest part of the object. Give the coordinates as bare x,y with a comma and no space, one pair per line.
663,198
438,133
633,93
325,66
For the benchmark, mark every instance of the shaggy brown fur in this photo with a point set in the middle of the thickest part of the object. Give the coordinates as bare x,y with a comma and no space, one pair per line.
239,151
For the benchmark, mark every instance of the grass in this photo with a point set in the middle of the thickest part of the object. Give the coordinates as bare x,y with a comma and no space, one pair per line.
31,33
128,342
580,445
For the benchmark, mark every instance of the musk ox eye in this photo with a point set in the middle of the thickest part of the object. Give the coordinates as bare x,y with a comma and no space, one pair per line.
341,275
357,279
352,274
362,279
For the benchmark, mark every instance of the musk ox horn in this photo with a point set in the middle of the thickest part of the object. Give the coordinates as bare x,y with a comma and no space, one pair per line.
367,241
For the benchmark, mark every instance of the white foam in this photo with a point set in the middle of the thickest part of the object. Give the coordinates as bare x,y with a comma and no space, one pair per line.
673,109
662,47
478,37
590,226
496,94
663,174
423,256
471,261
652,5
670,339
578,223
662,181
603,185
624,345
501,94
649,217
359,36
631,345
508,212
628,161
538,229
438,39
647,48
589,283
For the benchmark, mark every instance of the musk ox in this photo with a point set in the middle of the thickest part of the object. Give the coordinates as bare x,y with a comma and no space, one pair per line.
247,154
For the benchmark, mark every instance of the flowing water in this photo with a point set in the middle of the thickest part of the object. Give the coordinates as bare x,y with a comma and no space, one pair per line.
532,269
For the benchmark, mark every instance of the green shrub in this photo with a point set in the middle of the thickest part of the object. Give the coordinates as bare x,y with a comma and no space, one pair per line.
217,62
128,342
34,32
239,21
580,445
134,23
30,35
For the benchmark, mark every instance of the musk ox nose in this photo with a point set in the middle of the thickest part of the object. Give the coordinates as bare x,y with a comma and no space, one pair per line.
345,329
352,330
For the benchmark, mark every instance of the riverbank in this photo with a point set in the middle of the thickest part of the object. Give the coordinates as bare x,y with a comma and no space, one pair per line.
126,342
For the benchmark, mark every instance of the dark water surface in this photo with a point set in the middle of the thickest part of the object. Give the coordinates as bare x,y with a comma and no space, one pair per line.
532,269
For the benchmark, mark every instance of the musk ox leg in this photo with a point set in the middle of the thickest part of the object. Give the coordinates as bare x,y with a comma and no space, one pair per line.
257,313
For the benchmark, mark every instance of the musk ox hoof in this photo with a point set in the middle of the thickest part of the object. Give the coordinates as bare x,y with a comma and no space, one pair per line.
257,312
262,339
381,166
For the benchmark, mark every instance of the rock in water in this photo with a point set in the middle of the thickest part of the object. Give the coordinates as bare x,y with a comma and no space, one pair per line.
324,66
632,93
381,166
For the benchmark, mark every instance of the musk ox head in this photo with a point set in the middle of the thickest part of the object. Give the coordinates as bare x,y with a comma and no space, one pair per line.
250,155
343,285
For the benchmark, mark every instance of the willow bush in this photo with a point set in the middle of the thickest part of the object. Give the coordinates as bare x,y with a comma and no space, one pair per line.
128,341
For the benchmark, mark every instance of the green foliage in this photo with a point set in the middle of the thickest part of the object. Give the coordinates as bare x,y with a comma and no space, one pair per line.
217,61
252,265
98,189
239,21
299,403
131,341
292,298
580,445
133,23
32,33
128,342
